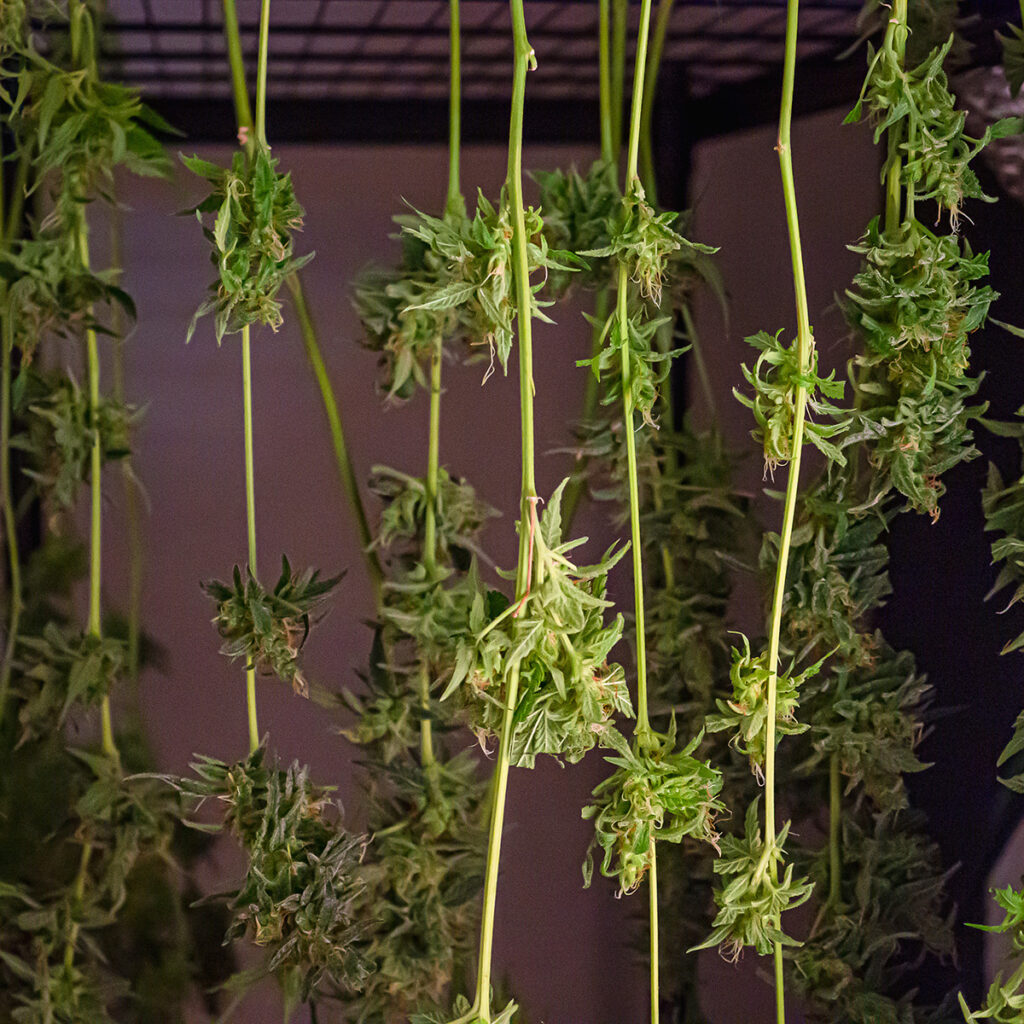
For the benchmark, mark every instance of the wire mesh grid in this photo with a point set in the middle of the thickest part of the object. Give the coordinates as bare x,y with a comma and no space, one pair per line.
395,49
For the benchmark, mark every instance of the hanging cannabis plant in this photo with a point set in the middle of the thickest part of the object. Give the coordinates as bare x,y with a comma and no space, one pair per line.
94,923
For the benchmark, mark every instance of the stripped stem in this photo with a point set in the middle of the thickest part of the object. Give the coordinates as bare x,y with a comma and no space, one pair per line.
643,726
620,16
346,472
239,89
524,59
592,387
805,344
835,813
95,624
10,524
661,23
250,523
455,201
261,74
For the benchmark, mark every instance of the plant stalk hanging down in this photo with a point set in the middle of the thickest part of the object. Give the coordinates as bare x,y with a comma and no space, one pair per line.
524,60
342,457
804,346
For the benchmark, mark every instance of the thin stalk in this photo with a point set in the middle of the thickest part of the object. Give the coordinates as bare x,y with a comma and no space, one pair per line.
591,396
698,359
652,910
95,625
835,812
261,75
804,348
133,521
661,23
605,80
250,523
523,60
10,524
239,89
430,536
346,472
592,386
620,16
896,40
11,229
12,223
643,725
455,201
77,892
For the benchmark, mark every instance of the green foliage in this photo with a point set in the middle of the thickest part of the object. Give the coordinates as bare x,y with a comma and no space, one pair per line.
1013,57
268,628
389,304
63,669
301,895
657,793
753,896
1003,506
75,122
256,215
891,908
423,872
777,379
461,1013
459,514
1005,1000
555,641
50,292
747,711
644,242
872,719
649,366
60,432
838,570
578,212
935,151
475,275
915,300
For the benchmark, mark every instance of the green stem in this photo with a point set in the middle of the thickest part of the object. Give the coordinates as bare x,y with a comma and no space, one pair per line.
605,78
835,812
643,725
239,89
895,40
346,472
455,202
95,626
10,524
591,396
133,520
592,387
804,348
261,75
12,225
654,957
77,892
661,23
698,359
620,15
250,523
430,533
523,60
